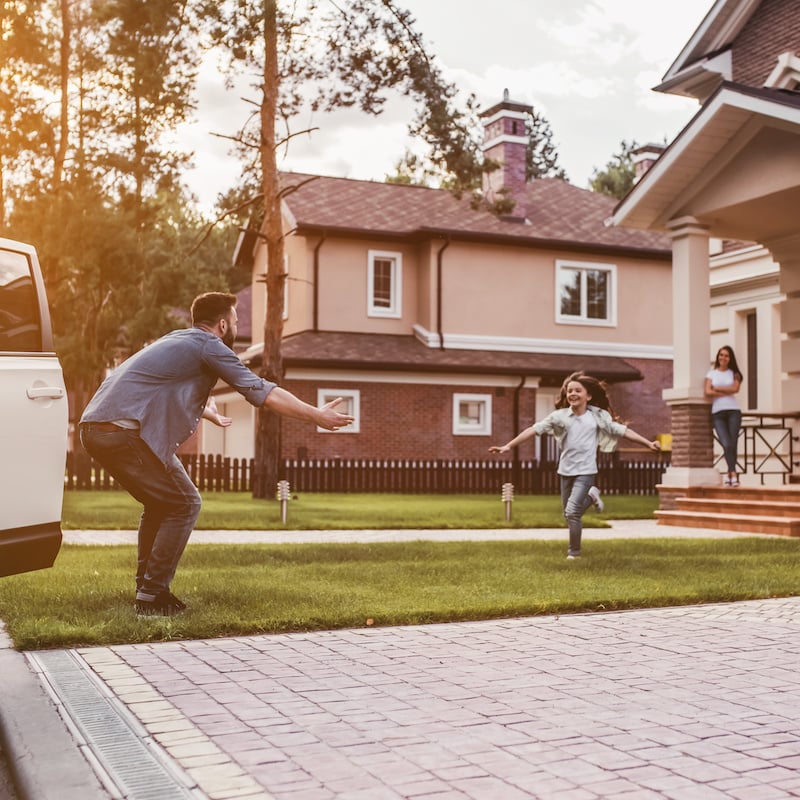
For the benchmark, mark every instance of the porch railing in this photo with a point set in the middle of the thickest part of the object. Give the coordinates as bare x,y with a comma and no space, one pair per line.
766,445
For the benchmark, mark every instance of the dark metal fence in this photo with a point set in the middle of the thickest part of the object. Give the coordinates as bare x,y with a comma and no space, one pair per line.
440,476
766,446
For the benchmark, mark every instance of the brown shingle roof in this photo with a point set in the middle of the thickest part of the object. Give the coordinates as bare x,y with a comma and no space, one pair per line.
556,214
364,351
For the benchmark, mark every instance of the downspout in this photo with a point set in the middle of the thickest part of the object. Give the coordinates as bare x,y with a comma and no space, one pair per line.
439,293
315,321
516,470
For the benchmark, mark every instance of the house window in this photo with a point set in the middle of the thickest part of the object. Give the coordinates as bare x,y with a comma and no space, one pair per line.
472,414
384,284
585,293
351,404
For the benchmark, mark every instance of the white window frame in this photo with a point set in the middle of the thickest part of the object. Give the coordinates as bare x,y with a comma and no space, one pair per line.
467,429
583,319
395,308
354,395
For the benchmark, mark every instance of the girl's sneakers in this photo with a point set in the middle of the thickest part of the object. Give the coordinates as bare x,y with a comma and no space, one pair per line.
597,501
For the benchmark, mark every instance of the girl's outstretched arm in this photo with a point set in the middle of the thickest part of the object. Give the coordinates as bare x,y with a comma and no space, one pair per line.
518,439
635,437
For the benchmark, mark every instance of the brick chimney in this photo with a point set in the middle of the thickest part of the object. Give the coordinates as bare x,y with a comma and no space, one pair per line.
505,141
644,157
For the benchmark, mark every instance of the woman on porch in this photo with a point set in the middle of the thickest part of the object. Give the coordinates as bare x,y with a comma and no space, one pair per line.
722,383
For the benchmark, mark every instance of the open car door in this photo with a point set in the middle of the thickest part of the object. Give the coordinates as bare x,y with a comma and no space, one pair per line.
33,417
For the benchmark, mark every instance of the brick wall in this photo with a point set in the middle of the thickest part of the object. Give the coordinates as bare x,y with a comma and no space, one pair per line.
640,403
692,442
772,30
415,421
404,421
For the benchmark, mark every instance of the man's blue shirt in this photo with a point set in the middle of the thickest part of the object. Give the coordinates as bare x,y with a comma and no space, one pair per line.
166,385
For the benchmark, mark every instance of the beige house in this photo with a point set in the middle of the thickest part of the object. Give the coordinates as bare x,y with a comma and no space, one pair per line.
727,192
448,328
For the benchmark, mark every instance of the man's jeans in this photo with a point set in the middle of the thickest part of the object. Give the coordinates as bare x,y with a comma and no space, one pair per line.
727,424
575,501
170,499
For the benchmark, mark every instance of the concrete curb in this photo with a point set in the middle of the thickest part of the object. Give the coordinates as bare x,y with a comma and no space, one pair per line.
44,758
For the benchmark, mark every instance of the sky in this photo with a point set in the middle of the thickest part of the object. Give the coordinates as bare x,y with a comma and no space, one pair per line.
587,65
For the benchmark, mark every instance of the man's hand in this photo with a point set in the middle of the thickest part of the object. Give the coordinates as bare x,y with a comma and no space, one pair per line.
286,404
211,413
331,419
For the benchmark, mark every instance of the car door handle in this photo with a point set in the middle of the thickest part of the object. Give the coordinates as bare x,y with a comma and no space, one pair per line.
53,392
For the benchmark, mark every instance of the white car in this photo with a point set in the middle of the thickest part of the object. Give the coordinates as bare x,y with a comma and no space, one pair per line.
34,421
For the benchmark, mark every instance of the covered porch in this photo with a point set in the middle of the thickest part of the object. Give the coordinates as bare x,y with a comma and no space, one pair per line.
732,174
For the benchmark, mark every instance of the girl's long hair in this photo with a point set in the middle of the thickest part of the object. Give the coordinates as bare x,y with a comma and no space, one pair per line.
732,365
597,390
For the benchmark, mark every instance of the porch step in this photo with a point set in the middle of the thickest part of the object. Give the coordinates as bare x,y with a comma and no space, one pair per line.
746,523
752,509
742,507
770,494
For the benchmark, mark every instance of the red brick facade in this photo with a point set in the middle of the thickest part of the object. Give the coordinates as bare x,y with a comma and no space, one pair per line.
773,30
415,421
640,403
692,443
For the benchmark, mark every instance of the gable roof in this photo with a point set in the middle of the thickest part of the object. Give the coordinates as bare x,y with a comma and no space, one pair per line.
732,109
557,215
751,42
701,58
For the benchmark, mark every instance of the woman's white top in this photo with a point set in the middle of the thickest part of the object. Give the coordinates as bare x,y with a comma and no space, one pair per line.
726,402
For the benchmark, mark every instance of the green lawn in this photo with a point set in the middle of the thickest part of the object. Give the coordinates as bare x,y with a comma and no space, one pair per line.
238,511
87,598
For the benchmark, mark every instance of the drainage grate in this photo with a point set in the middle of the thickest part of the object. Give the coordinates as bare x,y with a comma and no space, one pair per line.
138,771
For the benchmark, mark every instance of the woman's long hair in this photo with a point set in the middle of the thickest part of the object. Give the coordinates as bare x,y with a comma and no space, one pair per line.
732,365
597,390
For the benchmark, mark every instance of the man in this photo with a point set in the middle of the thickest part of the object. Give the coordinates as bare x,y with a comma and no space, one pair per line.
152,403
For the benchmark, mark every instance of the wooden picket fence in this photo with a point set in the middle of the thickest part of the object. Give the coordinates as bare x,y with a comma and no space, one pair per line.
216,473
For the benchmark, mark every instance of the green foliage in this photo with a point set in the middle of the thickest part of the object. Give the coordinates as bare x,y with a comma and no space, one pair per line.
616,180
541,156
93,93
87,597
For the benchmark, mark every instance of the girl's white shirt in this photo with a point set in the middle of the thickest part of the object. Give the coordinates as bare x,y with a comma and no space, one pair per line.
562,420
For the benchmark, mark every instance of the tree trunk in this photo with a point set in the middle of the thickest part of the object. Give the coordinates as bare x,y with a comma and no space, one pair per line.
65,50
268,436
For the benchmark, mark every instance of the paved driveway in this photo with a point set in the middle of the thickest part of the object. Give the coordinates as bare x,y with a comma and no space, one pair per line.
692,702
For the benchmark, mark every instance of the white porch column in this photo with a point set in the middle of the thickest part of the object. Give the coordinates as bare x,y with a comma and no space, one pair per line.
786,252
692,439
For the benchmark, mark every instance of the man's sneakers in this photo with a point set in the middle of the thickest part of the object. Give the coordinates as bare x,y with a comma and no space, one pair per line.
164,604
597,502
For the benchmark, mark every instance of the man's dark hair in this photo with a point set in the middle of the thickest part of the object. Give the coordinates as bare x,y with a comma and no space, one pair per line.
211,307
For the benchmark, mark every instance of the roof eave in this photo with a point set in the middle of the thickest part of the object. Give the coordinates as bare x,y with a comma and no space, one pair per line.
631,211
716,31
426,233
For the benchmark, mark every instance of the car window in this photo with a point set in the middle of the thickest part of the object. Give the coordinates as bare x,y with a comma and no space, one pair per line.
20,329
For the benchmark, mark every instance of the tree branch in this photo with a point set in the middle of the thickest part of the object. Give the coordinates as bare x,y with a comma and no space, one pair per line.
289,136
227,213
287,190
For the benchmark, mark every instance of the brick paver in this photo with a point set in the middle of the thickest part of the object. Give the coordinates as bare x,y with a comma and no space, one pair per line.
694,702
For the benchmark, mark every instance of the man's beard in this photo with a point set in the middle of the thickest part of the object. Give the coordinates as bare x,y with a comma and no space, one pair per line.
228,338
